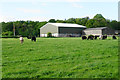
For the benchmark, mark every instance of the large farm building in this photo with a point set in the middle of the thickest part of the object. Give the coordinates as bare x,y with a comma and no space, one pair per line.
62,30
72,30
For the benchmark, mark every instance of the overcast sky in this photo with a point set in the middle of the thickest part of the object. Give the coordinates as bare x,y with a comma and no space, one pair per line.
43,10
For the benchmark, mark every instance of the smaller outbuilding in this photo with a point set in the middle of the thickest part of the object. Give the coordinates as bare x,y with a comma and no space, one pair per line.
98,31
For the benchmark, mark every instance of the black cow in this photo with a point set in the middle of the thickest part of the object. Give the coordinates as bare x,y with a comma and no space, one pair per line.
84,37
104,37
96,37
114,37
90,37
33,39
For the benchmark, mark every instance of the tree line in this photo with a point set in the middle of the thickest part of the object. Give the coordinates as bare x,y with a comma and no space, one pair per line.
32,28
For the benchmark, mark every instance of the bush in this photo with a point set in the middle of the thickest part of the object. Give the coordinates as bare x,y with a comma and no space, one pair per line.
49,34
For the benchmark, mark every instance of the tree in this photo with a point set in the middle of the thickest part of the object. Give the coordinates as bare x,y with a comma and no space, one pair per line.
90,23
84,20
7,26
52,21
98,16
114,24
100,23
71,20
78,21
60,21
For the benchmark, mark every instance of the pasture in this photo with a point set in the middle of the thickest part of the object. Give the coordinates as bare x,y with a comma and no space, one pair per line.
59,58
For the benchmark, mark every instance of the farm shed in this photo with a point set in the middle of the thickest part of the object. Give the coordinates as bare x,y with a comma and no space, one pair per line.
62,30
98,31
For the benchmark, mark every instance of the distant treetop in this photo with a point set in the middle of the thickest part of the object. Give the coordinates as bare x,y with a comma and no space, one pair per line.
98,16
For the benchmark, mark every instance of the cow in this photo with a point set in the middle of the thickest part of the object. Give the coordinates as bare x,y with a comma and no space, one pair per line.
96,37
114,37
84,37
33,39
91,37
104,37
21,39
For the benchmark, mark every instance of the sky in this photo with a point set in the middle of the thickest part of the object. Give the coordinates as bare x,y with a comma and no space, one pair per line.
43,10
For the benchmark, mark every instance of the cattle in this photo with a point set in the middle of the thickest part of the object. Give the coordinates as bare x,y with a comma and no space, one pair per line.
96,37
21,39
84,37
104,37
91,37
33,39
114,37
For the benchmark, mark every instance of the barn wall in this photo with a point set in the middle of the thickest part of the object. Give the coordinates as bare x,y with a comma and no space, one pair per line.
108,31
92,32
69,35
70,30
48,28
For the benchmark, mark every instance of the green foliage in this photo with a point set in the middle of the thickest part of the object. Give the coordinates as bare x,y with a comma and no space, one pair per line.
60,58
90,23
52,20
49,34
8,33
97,21
60,21
98,16
24,28
114,25
71,20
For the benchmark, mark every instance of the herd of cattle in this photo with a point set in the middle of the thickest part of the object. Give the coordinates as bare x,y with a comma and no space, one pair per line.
91,37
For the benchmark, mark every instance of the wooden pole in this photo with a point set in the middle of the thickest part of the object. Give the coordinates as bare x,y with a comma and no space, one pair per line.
14,28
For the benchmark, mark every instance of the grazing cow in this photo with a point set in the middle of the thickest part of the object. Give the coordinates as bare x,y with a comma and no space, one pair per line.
21,39
104,37
33,39
96,37
114,37
90,37
84,37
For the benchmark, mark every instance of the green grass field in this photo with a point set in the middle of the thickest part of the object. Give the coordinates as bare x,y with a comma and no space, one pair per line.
60,58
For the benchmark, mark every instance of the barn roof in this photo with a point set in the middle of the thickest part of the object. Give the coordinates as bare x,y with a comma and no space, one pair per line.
100,28
66,25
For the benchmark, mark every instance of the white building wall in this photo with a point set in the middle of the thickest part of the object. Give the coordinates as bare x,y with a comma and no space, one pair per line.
61,35
55,34
45,35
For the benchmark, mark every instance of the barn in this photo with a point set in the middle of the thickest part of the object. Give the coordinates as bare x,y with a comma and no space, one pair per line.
98,31
62,30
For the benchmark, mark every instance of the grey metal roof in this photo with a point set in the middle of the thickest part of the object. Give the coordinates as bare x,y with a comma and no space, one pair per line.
66,25
100,28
